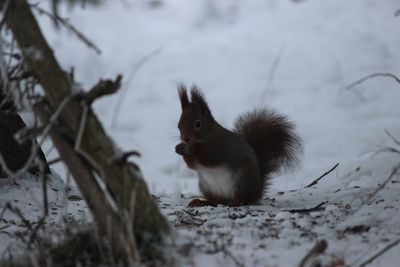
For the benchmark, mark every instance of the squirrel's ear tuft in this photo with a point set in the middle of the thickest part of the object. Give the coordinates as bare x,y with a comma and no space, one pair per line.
199,101
183,96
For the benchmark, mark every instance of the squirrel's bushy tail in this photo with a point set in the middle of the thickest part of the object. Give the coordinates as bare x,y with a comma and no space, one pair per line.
272,137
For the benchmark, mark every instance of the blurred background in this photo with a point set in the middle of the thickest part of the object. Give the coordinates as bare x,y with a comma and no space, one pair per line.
296,57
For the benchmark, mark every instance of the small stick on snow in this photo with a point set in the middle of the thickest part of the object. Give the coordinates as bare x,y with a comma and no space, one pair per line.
380,187
373,75
380,253
318,249
322,176
316,208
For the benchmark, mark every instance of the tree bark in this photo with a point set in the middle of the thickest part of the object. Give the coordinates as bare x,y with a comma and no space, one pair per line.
97,148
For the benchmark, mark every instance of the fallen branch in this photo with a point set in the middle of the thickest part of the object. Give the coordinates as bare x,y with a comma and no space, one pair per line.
316,208
380,253
322,176
318,249
390,75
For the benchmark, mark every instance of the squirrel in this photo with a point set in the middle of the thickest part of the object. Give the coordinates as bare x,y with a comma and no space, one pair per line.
234,167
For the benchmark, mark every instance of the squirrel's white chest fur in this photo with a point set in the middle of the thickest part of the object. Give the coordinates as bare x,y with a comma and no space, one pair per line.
218,180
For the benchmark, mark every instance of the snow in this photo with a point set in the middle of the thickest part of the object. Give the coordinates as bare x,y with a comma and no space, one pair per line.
296,58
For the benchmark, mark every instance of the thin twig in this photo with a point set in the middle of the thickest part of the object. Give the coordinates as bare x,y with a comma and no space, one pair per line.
392,137
129,80
54,117
271,76
69,26
131,246
17,212
322,176
81,129
380,187
386,149
44,177
318,249
380,253
373,75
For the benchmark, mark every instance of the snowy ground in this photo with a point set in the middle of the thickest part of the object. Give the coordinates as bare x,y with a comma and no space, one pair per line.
294,57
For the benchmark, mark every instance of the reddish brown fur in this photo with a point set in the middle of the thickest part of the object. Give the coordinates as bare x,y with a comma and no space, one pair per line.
262,143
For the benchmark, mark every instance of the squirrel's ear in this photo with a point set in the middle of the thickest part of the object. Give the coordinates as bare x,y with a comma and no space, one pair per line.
183,96
199,101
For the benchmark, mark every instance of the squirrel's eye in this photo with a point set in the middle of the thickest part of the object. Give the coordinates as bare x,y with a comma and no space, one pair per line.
197,124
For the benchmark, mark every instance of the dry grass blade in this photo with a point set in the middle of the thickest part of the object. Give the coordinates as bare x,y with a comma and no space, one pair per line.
373,75
386,149
129,80
271,76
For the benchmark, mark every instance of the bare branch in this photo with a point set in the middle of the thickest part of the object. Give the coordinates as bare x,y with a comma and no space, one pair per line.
358,82
63,21
102,88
